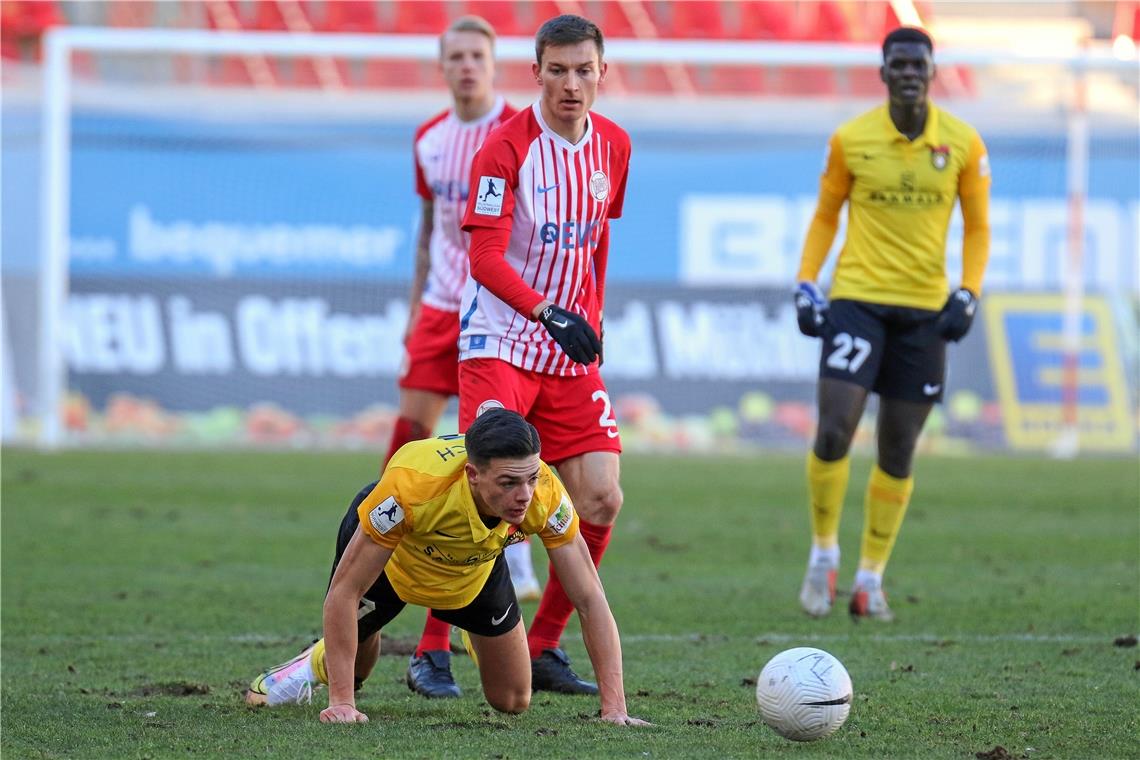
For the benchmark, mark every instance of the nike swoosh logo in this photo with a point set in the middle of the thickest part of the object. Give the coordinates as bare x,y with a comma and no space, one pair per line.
563,322
548,188
501,618
440,532
930,390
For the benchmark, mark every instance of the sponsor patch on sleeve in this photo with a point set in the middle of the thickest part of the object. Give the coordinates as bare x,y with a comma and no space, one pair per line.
489,200
386,515
559,520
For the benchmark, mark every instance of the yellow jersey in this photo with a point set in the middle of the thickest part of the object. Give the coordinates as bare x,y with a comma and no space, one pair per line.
900,195
423,510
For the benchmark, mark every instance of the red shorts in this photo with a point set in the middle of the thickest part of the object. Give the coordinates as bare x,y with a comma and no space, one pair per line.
573,415
431,355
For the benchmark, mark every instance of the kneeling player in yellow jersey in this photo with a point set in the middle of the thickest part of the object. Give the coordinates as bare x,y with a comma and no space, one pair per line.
432,532
899,167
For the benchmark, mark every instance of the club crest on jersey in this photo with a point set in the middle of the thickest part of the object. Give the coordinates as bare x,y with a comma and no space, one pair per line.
940,156
489,404
599,185
489,201
386,515
560,519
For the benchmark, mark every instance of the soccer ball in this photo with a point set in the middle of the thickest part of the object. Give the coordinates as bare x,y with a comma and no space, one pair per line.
804,694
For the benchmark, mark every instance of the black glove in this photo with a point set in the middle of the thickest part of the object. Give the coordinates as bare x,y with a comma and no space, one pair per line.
811,310
957,315
572,332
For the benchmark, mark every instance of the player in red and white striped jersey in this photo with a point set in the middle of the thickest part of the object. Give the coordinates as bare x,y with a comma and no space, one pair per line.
444,147
543,189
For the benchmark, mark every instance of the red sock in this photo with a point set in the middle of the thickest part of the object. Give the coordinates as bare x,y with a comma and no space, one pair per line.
406,431
555,608
436,636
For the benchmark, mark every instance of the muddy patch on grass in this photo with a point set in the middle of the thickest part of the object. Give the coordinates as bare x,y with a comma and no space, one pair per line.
171,689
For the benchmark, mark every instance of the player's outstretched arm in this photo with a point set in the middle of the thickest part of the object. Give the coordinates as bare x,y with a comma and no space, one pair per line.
363,560
580,580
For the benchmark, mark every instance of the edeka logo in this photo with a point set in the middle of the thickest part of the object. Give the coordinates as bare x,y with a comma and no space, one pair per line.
225,248
572,234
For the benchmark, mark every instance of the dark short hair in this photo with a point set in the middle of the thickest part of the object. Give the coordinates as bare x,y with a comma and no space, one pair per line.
907,34
567,29
500,434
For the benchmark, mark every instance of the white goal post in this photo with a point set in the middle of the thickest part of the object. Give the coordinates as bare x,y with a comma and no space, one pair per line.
62,43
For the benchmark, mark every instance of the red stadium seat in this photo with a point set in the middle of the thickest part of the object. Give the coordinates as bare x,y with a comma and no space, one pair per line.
825,22
510,18
612,18
695,19
132,15
542,11
22,25
765,20
353,16
422,16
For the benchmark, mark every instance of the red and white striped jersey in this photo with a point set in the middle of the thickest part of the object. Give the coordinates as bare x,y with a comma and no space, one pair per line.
555,198
444,146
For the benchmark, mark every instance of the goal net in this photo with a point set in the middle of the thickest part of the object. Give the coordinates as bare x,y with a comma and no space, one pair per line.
221,244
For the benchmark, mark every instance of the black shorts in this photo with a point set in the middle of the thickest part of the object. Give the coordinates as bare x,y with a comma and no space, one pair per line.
891,350
493,612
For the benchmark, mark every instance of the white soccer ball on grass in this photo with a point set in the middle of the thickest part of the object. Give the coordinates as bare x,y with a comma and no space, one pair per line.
804,694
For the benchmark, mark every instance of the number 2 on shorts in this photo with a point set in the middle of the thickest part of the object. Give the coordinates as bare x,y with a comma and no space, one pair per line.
606,418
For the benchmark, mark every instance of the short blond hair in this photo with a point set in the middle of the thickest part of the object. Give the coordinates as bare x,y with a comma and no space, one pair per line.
476,24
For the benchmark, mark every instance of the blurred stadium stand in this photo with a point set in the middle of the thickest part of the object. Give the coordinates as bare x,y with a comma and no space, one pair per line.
836,21
817,20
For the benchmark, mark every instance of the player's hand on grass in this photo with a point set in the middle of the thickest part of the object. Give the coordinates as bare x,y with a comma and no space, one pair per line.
957,315
621,719
811,309
342,713
572,332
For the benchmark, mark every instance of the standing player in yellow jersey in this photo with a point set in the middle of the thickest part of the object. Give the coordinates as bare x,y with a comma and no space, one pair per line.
900,168
432,532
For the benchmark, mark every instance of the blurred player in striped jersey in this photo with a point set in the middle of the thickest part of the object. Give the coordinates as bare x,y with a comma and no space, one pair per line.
444,146
543,189
899,167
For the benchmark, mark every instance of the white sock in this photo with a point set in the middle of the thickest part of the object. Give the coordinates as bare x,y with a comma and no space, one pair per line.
868,579
829,555
519,561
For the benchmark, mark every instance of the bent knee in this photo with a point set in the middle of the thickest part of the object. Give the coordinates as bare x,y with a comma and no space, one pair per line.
512,703
602,506
832,442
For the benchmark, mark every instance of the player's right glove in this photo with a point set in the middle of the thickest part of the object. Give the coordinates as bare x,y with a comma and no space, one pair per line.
957,315
572,332
811,309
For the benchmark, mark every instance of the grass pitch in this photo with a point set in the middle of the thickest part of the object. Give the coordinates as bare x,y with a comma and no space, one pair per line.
142,591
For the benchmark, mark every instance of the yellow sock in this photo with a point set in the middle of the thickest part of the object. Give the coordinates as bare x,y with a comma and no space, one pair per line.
466,638
827,486
317,659
883,510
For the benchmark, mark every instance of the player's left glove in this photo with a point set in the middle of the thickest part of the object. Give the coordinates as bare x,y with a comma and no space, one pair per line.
957,315
811,309
572,332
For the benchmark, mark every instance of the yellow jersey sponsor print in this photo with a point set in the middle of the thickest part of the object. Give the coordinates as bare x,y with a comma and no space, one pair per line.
423,510
900,196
